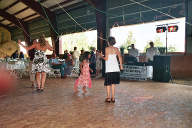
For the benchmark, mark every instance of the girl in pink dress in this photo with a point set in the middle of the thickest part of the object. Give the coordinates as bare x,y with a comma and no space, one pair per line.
84,79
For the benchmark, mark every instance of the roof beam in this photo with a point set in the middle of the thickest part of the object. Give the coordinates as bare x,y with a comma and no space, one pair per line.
21,10
4,26
13,4
29,16
77,7
38,8
9,24
90,2
18,22
61,4
42,1
72,7
11,18
2,20
27,8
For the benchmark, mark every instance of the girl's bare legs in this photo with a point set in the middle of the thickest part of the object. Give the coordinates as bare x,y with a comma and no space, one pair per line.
76,86
113,92
108,89
43,78
84,89
75,89
97,72
38,78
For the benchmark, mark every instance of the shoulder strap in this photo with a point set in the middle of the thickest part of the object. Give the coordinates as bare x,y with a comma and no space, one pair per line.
113,49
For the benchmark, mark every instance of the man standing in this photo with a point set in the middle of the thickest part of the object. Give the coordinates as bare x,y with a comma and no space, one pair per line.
81,57
93,61
15,55
151,52
65,54
134,52
76,56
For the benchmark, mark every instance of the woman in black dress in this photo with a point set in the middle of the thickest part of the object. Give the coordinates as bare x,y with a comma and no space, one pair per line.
112,69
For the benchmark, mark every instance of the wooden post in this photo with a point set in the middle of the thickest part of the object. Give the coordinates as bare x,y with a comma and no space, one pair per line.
54,35
102,28
101,21
188,33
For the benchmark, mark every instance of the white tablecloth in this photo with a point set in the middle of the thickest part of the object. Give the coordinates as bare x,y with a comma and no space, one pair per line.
132,72
16,65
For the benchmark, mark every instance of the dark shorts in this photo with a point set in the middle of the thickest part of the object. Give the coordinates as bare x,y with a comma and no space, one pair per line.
112,78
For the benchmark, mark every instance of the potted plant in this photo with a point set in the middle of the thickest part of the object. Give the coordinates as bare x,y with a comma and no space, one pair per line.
122,50
162,50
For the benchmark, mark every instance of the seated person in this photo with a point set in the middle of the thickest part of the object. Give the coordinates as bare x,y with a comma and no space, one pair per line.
134,52
15,55
21,55
151,52
69,65
65,54
92,61
55,64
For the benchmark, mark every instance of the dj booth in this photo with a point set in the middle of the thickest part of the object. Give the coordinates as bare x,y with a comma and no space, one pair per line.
137,71
158,70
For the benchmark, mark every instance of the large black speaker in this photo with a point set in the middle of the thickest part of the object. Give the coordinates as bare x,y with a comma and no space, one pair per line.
129,60
161,68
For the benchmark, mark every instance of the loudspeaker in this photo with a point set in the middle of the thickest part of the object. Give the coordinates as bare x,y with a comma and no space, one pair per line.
161,68
129,60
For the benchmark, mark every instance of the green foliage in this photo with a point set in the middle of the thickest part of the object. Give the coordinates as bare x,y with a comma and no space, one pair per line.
91,48
171,48
79,40
130,40
162,50
122,47
157,43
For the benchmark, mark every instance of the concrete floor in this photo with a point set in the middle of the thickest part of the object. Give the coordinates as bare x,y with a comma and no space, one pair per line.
185,81
138,105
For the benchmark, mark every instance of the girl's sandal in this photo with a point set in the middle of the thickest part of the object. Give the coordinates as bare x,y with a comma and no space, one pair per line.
113,100
108,100
42,89
38,90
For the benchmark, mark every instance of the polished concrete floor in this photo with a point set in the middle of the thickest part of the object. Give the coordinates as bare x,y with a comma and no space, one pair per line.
138,105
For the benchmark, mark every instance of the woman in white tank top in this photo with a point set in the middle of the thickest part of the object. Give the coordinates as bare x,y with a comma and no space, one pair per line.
112,69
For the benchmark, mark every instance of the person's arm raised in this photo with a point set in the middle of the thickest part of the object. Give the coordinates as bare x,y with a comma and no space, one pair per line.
49,47
106,54
19,42
27,47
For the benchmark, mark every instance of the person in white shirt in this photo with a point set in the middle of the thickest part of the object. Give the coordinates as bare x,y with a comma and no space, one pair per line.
134,52
151,52
112,69
76,56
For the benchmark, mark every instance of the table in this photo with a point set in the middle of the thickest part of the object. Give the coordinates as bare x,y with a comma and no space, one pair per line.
133,72
18,67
